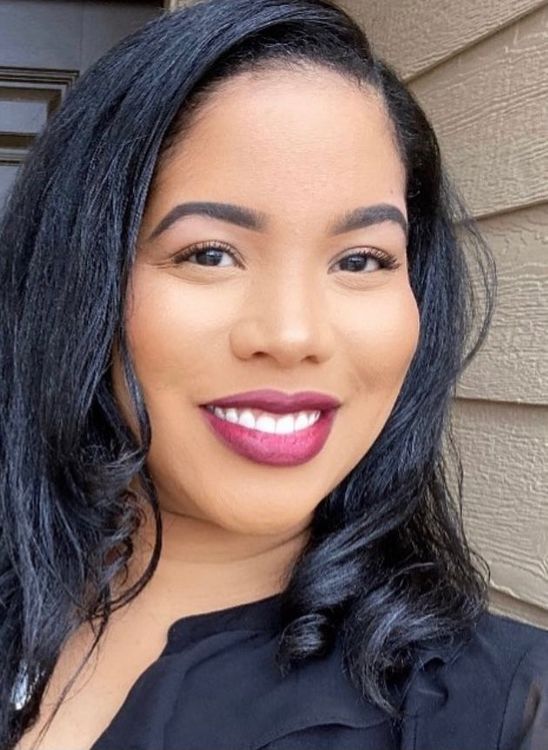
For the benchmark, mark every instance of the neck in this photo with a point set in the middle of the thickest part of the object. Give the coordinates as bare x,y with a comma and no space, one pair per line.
204,567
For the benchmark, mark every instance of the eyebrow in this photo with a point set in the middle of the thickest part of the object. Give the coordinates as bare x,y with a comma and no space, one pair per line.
363,216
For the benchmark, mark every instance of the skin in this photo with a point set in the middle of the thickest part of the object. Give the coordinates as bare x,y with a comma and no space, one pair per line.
304,147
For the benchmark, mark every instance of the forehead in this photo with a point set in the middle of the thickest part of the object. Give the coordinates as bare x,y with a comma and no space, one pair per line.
289,136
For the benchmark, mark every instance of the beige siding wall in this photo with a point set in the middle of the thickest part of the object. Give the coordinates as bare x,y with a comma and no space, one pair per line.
480,71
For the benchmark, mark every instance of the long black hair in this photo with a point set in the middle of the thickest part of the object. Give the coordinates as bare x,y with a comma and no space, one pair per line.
386,565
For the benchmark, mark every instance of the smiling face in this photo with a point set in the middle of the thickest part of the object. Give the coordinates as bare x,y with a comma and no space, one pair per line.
285,302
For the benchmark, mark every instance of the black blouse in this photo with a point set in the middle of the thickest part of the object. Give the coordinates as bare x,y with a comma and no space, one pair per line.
215,686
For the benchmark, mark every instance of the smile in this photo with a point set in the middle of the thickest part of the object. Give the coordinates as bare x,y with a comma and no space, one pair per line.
263,421
262,437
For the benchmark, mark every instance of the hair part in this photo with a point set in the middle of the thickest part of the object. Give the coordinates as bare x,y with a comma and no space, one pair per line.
387,564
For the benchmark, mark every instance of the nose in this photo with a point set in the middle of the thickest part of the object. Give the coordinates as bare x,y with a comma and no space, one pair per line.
285,317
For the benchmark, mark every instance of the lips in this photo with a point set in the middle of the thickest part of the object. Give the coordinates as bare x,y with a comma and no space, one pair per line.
261,447
277,402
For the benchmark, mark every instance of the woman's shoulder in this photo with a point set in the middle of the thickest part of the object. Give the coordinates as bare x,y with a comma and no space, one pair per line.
506,645
509,632
490,691
487,691
511,653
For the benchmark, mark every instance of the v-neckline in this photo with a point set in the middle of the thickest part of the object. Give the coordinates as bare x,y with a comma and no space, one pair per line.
260,614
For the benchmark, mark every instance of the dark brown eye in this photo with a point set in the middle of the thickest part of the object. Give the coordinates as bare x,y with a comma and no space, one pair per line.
206,253
358,261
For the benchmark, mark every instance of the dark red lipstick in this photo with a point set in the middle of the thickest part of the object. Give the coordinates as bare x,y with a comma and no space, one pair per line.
261,441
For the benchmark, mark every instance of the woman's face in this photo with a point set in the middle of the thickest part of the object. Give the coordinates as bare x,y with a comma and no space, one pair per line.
285,305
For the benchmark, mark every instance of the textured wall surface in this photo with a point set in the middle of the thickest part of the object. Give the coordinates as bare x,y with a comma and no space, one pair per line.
480,72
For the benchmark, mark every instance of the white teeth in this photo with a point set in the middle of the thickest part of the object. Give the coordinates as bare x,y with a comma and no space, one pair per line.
246,419
266,422
231,415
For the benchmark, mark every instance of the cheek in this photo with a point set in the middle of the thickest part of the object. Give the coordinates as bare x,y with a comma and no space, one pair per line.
382,344
172,335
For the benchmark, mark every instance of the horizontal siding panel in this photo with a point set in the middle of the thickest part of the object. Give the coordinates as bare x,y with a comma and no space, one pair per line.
504,448
414,37
488,107
513,363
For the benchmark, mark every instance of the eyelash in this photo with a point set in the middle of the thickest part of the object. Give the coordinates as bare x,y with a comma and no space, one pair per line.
387,262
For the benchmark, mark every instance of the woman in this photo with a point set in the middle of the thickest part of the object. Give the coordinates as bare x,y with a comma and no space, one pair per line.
240,197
